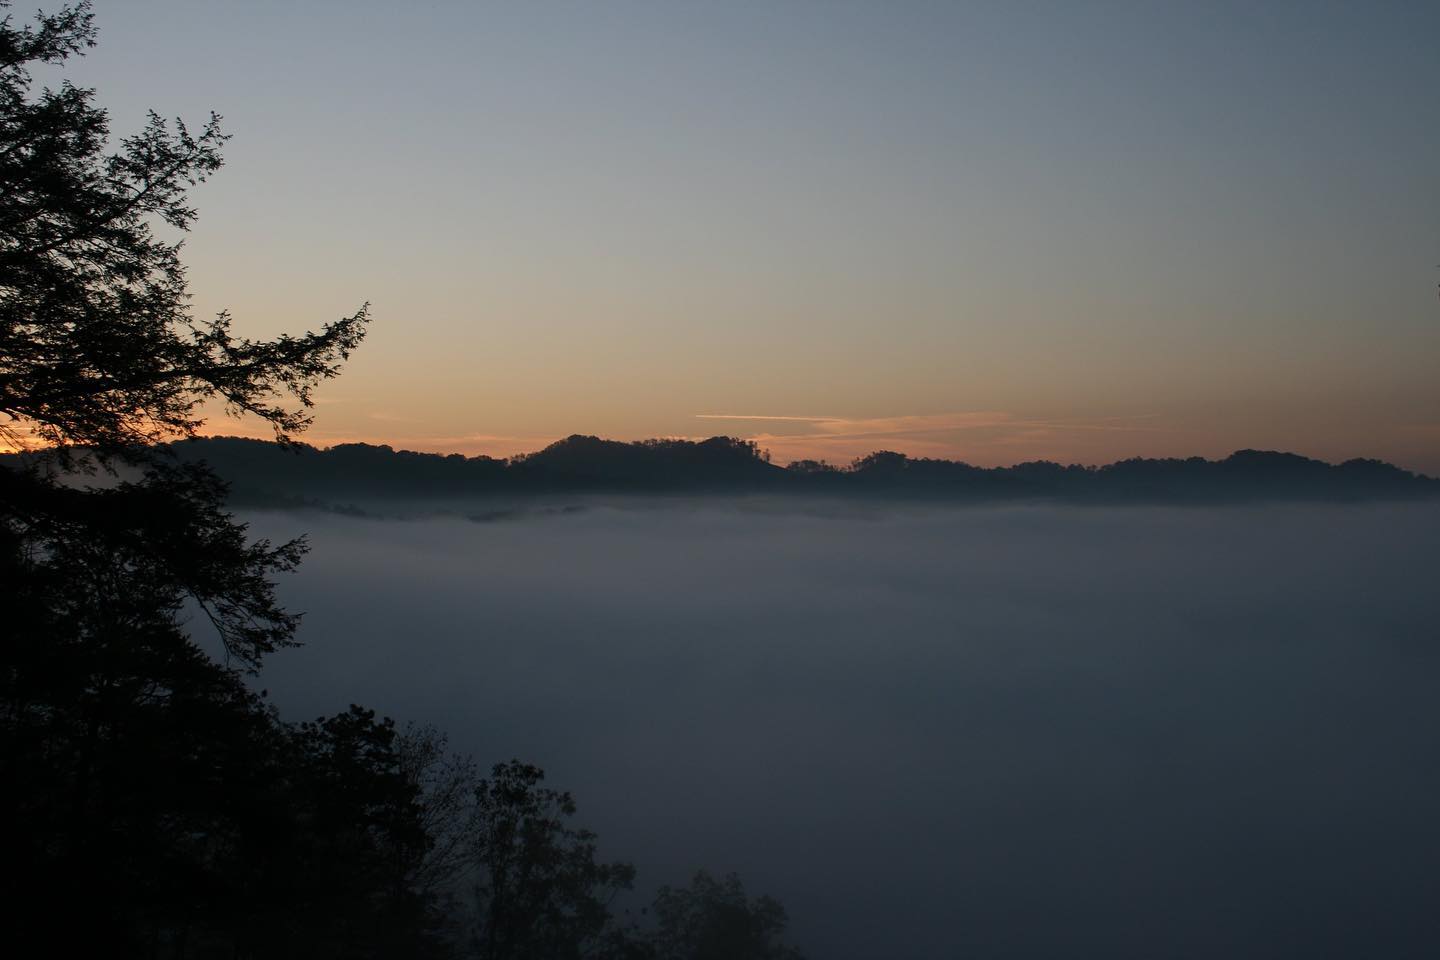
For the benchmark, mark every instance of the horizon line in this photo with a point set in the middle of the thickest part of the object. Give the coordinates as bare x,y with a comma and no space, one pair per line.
392,447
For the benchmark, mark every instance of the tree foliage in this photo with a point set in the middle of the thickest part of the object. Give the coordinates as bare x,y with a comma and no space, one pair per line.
540,891
99,351
97,342
151,790
145,779
714,920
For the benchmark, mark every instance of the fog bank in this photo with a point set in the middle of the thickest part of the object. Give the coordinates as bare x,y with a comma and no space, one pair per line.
1021,732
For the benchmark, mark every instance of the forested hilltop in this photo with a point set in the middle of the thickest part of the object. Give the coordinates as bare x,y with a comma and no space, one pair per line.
264,473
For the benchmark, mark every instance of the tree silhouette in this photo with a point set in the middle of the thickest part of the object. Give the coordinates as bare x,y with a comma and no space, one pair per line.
97,342
540,893
714,920
100,356
144,780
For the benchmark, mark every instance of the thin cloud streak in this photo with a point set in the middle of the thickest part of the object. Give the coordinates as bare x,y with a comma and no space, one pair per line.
989,436
929,423
761,416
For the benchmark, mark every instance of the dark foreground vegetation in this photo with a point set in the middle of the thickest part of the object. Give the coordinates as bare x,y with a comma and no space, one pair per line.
155,804
266,474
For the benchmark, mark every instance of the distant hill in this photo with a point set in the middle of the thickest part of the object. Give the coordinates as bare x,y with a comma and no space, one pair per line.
264,473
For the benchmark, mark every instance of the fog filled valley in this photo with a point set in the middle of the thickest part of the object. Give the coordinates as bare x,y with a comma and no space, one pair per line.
719,481
932,731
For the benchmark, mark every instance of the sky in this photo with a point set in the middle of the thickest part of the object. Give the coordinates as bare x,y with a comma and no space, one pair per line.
991,232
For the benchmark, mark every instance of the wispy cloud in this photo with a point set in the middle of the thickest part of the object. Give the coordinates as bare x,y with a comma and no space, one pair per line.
982,435
763,416
863,426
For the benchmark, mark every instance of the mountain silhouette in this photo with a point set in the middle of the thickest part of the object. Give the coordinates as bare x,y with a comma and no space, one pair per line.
580,461
262,473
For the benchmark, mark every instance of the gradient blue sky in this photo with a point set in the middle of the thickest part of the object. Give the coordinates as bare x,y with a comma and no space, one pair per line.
997,232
